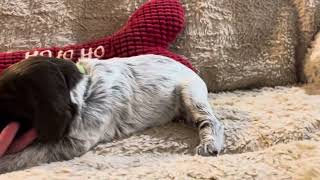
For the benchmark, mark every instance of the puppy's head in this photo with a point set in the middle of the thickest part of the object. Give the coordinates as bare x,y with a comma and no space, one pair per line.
36,92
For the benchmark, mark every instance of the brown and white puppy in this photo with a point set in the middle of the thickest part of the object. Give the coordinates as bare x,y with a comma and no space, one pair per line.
75,111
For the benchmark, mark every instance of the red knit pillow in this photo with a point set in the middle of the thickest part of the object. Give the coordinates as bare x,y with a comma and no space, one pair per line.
149,30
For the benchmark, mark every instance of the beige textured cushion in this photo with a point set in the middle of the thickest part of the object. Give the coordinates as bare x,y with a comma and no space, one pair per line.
234,44
272,133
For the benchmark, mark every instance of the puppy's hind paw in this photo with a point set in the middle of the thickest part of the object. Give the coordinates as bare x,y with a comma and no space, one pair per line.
207,148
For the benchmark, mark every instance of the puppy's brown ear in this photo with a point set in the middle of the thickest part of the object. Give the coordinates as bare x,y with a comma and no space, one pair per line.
43,86
68,69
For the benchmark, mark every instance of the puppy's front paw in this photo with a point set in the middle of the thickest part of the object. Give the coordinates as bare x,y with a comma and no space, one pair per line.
5,164
13,162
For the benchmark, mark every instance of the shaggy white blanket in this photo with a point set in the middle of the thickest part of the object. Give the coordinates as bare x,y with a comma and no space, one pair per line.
271,133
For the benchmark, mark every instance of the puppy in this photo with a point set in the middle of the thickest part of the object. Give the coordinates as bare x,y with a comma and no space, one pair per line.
76,106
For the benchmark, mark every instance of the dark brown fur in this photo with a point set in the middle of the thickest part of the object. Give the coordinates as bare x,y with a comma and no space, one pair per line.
39,97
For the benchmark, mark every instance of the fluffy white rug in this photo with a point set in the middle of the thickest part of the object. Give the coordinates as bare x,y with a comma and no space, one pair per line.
271,133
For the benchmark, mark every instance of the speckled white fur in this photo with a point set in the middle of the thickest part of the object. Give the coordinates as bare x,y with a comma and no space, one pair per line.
119,97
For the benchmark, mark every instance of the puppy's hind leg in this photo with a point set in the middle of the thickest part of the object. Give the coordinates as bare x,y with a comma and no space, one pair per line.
194,99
